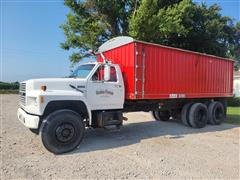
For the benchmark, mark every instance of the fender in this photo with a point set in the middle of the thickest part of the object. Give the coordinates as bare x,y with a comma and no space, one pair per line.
73,100
75,105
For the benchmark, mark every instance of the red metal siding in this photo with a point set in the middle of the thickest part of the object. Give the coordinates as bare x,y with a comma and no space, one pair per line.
164,72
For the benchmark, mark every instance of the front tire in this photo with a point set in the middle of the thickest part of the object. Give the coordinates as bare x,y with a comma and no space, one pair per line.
62,131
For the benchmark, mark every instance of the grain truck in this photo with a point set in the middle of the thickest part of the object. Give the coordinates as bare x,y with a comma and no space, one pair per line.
128,76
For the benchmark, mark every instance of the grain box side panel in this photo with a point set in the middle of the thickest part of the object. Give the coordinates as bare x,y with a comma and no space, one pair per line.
172,73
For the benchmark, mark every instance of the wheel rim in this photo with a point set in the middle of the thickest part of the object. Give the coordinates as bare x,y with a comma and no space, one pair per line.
64,132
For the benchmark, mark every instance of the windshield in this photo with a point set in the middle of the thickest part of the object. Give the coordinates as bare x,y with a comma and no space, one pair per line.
82,71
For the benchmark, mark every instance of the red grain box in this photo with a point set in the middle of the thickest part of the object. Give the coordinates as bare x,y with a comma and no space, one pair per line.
153,71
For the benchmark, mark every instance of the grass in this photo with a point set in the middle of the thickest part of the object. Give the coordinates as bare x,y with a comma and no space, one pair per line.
5,91
233,115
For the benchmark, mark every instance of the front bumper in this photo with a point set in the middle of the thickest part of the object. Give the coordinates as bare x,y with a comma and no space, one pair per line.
30,121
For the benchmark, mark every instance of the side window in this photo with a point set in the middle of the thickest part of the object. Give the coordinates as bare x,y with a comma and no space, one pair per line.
99,74
113,75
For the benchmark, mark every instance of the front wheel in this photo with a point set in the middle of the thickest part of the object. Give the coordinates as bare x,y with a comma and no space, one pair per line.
62,131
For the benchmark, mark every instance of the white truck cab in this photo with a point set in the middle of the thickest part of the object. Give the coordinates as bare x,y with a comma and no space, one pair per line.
92,91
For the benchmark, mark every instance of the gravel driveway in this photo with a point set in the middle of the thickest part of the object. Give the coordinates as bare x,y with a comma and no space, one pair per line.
143,148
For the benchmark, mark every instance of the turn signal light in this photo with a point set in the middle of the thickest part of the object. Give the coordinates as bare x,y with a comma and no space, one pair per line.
43,88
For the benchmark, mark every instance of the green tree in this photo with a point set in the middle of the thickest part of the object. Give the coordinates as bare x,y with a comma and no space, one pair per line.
152,22
177,23
234,48
92,22
186,25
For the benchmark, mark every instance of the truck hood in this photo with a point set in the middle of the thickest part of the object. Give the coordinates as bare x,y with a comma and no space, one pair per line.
54,84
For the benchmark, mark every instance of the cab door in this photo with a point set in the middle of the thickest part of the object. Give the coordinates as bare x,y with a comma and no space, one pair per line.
105,94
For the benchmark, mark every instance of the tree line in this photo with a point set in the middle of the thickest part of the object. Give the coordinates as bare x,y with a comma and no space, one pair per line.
177,23
9,86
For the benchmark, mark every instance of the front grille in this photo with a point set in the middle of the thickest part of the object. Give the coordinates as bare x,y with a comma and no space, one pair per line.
22,94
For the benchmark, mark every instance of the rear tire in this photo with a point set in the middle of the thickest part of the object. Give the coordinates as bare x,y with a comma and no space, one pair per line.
161,115
198,115
216,113
155,116
224,103
164,115
62,131
185,114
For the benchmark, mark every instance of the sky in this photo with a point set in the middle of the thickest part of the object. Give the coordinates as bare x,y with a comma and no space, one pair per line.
30,37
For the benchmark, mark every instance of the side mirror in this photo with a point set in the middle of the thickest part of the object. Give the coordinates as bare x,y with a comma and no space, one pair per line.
106,72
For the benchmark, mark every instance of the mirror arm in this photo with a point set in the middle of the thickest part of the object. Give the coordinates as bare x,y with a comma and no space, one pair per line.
90,51
104,58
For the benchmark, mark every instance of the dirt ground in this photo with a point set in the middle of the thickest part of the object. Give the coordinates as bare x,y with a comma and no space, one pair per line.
143,148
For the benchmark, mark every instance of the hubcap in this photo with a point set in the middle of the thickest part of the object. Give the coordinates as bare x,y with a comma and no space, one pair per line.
64,132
